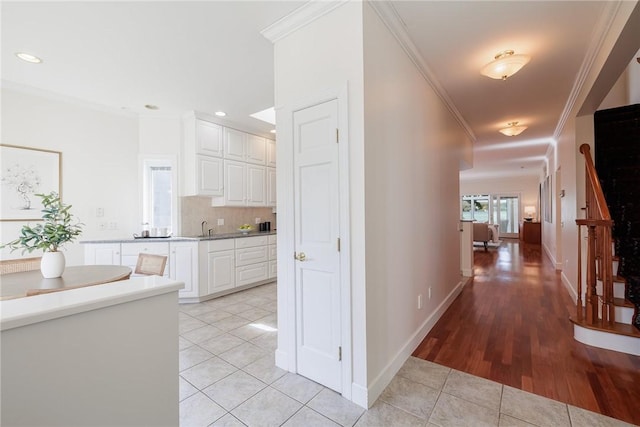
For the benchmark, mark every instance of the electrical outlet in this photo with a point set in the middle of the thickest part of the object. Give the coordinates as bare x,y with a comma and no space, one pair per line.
99,212
257,220
113,225
220,221
429,292
420,302
102,226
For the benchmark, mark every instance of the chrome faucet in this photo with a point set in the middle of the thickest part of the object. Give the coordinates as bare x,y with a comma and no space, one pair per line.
202,227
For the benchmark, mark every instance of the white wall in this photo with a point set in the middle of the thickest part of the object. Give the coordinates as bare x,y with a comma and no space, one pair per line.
404,158
322,57
411,160
99,161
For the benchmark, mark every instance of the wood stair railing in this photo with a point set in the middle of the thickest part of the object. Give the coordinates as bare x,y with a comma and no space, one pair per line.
599,309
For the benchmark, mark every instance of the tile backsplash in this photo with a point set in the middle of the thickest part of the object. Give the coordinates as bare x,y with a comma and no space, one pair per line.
195,209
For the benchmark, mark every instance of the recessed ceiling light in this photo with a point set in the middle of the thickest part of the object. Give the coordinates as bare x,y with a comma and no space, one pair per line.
151,107
220,113
272,131
28,57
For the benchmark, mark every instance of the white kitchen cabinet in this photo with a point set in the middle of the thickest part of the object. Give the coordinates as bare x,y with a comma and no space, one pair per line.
271,152
271,187
252,273
246,256
220,266
221,271
202,167
235,185
256,150
102,254
235,144
273,257
208,138
183,267
210,176
256,185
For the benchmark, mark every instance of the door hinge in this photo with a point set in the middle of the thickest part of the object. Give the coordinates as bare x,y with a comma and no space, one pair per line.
338,244
337,136
340,354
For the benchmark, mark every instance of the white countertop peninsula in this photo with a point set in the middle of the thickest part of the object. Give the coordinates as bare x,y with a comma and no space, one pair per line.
98,355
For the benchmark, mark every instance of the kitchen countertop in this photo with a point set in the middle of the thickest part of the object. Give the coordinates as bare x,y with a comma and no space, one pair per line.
215,236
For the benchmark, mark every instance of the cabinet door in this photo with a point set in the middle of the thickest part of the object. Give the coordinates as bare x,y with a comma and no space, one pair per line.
252,273
271,186
271,152
221,271
234,144
183,266
235,185
208,138
210,176
273,269
256,185
102,254
256,150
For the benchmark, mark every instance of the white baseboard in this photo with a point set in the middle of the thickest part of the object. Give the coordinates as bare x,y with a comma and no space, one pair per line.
567,284
359,395
467,272
378,385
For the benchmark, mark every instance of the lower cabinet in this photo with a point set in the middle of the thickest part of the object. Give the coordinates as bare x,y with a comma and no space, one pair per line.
208,268
183,267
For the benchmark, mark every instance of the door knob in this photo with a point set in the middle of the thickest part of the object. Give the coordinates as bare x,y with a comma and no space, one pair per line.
300,257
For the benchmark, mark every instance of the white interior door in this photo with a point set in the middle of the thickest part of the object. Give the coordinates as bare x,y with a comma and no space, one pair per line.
318,320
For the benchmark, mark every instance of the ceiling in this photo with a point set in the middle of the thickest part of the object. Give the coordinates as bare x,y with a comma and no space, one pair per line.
210,56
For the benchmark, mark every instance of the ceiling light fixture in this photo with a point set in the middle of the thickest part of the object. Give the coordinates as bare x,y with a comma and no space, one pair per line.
272,131
512,129
220,113
151,107
28,57
505,65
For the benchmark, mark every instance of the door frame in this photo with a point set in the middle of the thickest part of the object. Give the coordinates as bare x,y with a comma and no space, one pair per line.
286,353
519,216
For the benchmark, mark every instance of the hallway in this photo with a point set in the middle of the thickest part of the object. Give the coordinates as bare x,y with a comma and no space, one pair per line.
511,325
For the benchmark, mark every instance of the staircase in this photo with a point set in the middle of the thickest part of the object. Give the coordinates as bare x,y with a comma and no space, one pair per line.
607,316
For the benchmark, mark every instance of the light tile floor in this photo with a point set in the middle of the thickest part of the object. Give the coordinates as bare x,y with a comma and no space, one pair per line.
228,378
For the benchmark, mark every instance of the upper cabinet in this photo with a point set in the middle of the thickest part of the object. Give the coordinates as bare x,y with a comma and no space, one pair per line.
231,165
235,145
271,152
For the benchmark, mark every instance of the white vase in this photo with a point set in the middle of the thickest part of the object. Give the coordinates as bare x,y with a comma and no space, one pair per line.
52,264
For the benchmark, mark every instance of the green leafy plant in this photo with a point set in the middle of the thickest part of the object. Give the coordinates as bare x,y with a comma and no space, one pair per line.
59,227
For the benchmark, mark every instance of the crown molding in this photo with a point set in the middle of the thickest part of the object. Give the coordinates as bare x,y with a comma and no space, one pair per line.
600,33
390,17
299,18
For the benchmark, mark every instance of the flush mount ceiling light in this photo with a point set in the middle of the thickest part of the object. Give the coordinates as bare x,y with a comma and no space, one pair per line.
28,57
512,129
505,65
151,107
220,113
272,131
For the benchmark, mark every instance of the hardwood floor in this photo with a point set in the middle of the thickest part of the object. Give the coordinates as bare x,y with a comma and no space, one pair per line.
511,325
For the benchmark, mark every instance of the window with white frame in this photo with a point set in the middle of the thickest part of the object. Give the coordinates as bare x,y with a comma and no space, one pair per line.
158,193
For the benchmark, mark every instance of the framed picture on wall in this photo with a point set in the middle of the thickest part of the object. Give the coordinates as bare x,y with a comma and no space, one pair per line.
24,173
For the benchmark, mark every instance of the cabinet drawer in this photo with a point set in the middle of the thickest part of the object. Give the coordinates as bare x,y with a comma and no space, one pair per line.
247,242
273,239
220,245
157,248
254,255
273,252
252,273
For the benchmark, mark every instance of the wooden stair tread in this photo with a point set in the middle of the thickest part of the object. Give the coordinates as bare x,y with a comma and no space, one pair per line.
616,328
622,302
619,279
